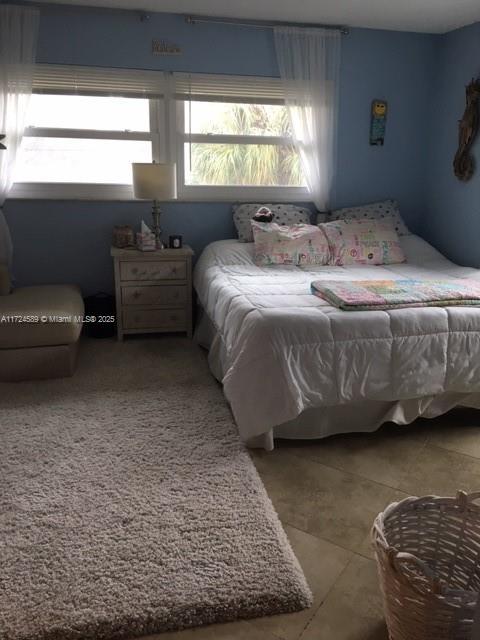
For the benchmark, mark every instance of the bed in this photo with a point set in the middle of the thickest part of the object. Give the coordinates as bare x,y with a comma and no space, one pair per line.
292,366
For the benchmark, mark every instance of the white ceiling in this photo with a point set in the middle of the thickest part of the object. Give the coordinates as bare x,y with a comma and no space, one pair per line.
430,16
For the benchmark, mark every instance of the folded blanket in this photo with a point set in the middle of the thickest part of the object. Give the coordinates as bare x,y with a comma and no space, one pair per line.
366,295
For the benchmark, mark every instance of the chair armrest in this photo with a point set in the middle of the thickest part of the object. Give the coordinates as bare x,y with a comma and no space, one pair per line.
5,284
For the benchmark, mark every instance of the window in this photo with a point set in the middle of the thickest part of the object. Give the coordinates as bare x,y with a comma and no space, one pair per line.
81,143
84,139
234,139
239,144
229,135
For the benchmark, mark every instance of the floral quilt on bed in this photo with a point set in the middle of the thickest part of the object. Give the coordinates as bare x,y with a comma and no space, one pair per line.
366,295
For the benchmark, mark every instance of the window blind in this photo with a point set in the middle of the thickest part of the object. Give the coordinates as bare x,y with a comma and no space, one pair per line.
98,81
222,88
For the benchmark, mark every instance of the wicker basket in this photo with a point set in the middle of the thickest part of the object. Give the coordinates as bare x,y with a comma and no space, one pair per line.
428,554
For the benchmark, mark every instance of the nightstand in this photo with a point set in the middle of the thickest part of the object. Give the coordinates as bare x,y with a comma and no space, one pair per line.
153,290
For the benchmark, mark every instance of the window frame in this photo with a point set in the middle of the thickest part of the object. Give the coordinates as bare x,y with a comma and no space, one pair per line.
167,131
94,190
234,192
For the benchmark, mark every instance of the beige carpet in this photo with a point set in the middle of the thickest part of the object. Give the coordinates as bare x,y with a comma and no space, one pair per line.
128,505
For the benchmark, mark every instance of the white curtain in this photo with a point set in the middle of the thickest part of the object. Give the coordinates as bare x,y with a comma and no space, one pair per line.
309,64
18,42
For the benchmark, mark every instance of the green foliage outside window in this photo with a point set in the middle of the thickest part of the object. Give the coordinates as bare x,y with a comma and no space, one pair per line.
246,164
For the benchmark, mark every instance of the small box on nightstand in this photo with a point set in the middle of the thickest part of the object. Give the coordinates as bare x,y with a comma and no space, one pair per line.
153,290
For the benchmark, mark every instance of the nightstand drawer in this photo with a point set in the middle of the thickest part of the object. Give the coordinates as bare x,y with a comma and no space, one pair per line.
167,295
173,319
153,270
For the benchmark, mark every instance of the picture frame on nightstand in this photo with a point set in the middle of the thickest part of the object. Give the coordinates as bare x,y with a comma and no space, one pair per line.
175,242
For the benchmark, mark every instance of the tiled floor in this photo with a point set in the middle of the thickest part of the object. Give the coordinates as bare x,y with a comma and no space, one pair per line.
327,494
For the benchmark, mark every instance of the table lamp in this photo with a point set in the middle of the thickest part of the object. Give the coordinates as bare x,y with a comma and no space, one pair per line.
157,182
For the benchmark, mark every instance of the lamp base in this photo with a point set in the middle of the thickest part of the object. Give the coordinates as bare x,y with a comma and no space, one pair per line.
156,225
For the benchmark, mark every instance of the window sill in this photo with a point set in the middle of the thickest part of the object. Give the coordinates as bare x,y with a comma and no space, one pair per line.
243,194
124,193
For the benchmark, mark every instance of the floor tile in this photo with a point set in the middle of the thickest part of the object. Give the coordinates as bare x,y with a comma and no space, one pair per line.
352,609
322,563
457,431
383,456
441,472
365,548
325,502
243,630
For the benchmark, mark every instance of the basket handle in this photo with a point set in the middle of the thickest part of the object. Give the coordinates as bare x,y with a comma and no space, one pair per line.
466,498
397,559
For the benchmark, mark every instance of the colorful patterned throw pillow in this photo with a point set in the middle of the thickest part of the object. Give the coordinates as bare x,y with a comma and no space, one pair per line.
387,210
282,214
297,244
362,242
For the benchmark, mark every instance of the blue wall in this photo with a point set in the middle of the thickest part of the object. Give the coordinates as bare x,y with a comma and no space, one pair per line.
452,222
59,241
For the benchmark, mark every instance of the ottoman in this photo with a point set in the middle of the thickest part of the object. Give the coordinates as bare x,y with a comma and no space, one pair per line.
39,331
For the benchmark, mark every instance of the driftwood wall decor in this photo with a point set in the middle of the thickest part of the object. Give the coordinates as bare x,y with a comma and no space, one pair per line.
464,162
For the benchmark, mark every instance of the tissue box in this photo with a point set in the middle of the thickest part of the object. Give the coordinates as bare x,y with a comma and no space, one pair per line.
146,241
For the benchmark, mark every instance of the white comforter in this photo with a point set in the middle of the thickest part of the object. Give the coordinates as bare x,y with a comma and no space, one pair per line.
285,350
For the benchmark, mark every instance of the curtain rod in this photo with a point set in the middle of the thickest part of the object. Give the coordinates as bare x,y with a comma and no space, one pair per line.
264,24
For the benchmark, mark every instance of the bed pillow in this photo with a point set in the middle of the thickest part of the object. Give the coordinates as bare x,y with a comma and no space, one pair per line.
362,242
282,214
384,210
297,244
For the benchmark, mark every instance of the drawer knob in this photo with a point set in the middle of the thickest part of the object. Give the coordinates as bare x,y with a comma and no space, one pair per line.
136,295
134,270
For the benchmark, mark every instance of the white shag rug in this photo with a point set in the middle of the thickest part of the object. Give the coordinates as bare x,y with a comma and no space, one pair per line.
128,505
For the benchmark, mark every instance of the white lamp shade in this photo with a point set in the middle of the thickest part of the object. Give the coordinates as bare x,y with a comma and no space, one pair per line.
154,181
